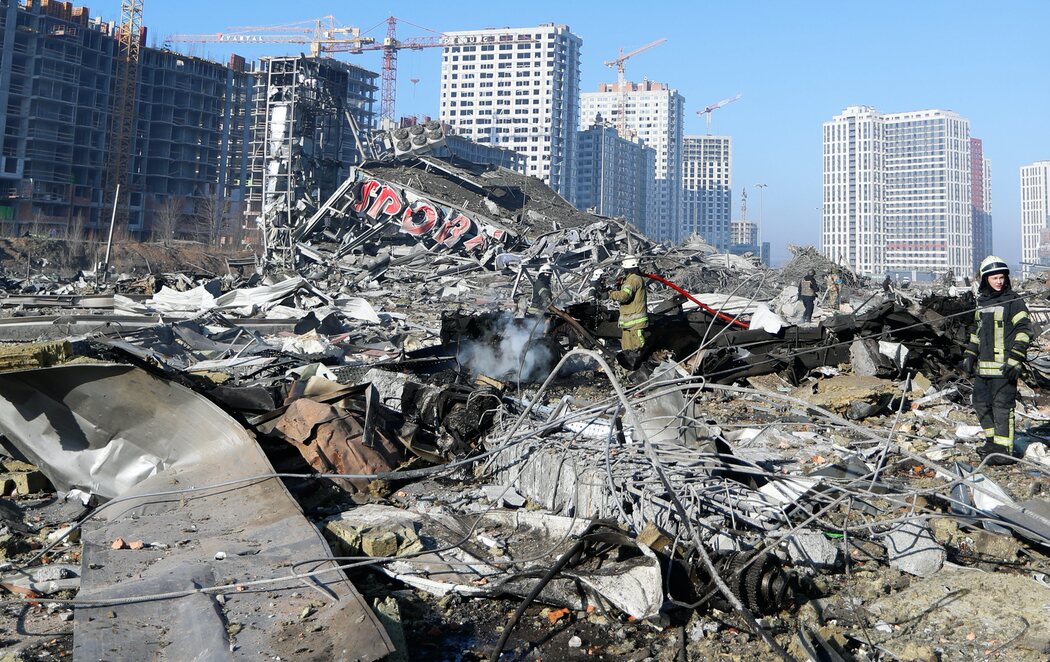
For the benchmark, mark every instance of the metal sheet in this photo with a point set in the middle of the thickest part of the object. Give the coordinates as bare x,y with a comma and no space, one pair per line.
121,431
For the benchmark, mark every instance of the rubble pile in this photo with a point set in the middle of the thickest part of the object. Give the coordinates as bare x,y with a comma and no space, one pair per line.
374,449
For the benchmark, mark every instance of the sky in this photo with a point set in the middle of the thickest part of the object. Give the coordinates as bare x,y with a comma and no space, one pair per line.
797,64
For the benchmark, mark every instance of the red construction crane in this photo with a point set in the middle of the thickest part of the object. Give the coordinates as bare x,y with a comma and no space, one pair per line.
715,106
390,46
619,62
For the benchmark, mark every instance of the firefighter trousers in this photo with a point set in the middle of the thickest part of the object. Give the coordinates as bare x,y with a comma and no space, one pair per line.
993,400
632,338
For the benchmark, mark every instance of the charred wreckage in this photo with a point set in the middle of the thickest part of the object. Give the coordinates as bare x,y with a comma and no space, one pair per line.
233,451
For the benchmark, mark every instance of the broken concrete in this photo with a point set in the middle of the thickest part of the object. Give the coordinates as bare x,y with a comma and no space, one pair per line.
912,548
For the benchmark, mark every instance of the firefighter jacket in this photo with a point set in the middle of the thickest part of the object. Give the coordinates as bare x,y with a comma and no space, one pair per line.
1002,335
541,296
632,299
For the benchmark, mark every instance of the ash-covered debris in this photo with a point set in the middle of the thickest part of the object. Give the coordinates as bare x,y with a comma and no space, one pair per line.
745,483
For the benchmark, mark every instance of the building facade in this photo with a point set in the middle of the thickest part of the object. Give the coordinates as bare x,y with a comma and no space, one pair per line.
57,69
980,203
55,81
1035,216
897,193
614,176
517,88
655,114
707,188
743,237
190,164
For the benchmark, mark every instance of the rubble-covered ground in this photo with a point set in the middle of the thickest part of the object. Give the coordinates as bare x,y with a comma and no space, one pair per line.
372,449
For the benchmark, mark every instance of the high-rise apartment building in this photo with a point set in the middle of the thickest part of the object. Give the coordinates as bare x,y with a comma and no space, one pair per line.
614,176
57,72
897,192
654,113
707,188
517,88
1035,215
980,203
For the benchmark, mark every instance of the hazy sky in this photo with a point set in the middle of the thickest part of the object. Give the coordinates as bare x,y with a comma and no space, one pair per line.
797,64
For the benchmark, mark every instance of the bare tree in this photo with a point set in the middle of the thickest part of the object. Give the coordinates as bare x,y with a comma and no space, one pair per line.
212,217
167,219
74,230
76,242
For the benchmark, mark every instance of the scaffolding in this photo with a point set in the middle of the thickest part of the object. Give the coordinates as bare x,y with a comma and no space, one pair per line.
302,144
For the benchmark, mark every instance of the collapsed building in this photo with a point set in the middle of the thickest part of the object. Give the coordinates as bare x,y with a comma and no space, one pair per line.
235,451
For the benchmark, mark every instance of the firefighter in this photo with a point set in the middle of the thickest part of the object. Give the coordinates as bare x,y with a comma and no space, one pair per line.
807,293
996,353
542,295
634,315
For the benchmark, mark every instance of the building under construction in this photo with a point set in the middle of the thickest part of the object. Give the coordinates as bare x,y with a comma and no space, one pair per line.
188,165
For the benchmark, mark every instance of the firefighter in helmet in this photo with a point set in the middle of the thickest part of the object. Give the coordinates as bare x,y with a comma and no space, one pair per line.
634,314
542,295
995,355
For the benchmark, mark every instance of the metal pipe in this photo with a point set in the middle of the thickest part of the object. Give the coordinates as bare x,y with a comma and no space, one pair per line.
109,241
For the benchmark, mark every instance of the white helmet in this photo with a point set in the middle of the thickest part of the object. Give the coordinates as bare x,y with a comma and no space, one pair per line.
993,264
630,262
546,269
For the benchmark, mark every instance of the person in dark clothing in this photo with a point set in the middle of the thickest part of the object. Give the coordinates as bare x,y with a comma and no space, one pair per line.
997,351
886,284
807,293
542,295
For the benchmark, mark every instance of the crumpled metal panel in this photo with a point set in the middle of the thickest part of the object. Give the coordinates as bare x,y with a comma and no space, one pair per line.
121,431
333,440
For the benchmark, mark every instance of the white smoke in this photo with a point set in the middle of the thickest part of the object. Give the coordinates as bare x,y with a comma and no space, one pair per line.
513,350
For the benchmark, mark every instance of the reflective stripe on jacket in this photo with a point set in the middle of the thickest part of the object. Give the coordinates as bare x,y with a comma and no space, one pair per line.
632,299
1002,333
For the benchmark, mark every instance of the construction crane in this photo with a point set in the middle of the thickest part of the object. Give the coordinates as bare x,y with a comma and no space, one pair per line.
324,35
390,47
619,62
122,112
715,106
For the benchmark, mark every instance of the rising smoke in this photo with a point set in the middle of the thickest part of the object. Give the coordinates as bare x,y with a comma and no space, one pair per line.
511,350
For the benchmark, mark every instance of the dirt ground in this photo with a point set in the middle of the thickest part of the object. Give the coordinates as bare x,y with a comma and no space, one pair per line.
64,258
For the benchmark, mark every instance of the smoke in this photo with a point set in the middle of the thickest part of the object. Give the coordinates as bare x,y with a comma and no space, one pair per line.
511,350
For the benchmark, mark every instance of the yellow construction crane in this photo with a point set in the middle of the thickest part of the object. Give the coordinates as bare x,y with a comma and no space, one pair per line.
122,111
621,115
324,35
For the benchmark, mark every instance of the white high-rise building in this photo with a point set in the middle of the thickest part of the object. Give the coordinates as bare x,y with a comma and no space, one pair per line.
517,88
897,192
707,189
654,113
1035,215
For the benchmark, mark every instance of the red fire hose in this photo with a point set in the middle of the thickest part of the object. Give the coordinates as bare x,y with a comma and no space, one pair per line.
703,305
